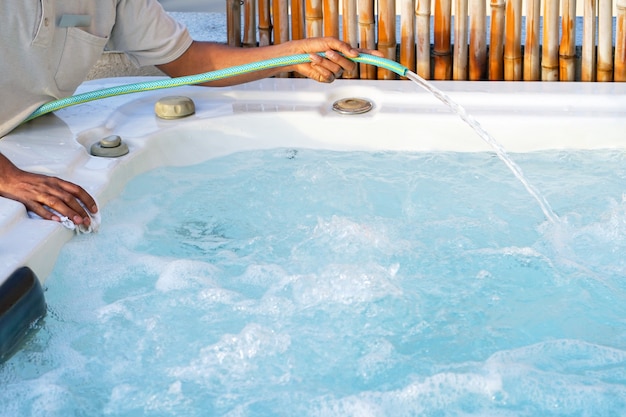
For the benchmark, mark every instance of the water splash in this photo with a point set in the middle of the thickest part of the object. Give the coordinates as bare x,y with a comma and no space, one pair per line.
500,151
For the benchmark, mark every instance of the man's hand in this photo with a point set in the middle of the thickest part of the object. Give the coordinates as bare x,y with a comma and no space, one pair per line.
335,61
37,191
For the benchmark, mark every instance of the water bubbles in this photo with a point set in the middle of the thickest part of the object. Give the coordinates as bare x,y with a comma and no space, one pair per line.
383,284
186,274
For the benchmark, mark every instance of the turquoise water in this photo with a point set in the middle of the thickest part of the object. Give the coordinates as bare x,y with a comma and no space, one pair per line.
294,282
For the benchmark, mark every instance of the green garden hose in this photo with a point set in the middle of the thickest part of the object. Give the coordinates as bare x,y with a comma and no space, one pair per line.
203,78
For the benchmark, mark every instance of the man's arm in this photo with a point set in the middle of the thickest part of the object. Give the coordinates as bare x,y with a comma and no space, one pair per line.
203,57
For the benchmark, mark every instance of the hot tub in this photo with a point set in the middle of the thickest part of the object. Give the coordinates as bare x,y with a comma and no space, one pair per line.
274,113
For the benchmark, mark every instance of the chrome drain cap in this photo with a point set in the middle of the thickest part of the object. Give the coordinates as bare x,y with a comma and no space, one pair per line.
353,105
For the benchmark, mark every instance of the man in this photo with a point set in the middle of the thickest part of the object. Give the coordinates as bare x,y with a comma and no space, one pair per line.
47,47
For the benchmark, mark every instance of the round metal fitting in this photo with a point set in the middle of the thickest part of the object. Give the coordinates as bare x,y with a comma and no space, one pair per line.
352,105
174,107
109,147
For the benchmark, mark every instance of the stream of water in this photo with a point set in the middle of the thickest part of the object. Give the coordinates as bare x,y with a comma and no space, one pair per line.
484,135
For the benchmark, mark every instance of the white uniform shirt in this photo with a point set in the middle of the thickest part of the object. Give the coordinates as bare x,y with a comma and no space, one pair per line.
47,47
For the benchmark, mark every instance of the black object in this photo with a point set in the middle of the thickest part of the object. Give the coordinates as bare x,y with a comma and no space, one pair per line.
22,303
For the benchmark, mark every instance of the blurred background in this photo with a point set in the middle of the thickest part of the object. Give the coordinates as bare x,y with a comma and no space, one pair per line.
205,6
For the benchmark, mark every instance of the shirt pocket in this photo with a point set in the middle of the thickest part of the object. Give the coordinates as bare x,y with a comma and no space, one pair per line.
80,53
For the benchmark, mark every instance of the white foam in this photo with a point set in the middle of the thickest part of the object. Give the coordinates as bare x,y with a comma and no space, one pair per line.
342,284
183,274
231,359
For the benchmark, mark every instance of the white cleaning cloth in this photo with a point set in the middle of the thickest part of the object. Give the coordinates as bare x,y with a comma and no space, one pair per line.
79,229
94,225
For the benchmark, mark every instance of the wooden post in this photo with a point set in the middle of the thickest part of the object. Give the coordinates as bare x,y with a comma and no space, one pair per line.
513,41
478,41
459,62
281,26
605,41
441,49
550,52
331,18
265,23
350,31
422,38
387,35
588,67
314,18
249,27
407,34
281,21
297,22
532,45
297,19
496,41
619,73
233,22
567,50
367,31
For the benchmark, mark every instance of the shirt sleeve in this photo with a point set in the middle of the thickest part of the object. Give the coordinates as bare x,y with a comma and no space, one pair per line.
147,34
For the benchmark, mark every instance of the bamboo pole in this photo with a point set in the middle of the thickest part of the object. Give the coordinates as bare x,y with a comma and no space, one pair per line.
459,62
233,22
567,50
550,52
350,31
314,17
265,23
478,41
619,72
588,67
297,23
513,41
280,11
367,32
441,48
496,41
249,27
422,38
297,19
532,44
387,35
605,41
407,34
330,12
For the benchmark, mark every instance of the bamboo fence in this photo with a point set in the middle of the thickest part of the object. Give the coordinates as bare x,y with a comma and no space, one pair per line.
508,40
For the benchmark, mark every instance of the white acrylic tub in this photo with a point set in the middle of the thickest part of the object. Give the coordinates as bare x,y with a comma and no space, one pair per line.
288,113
